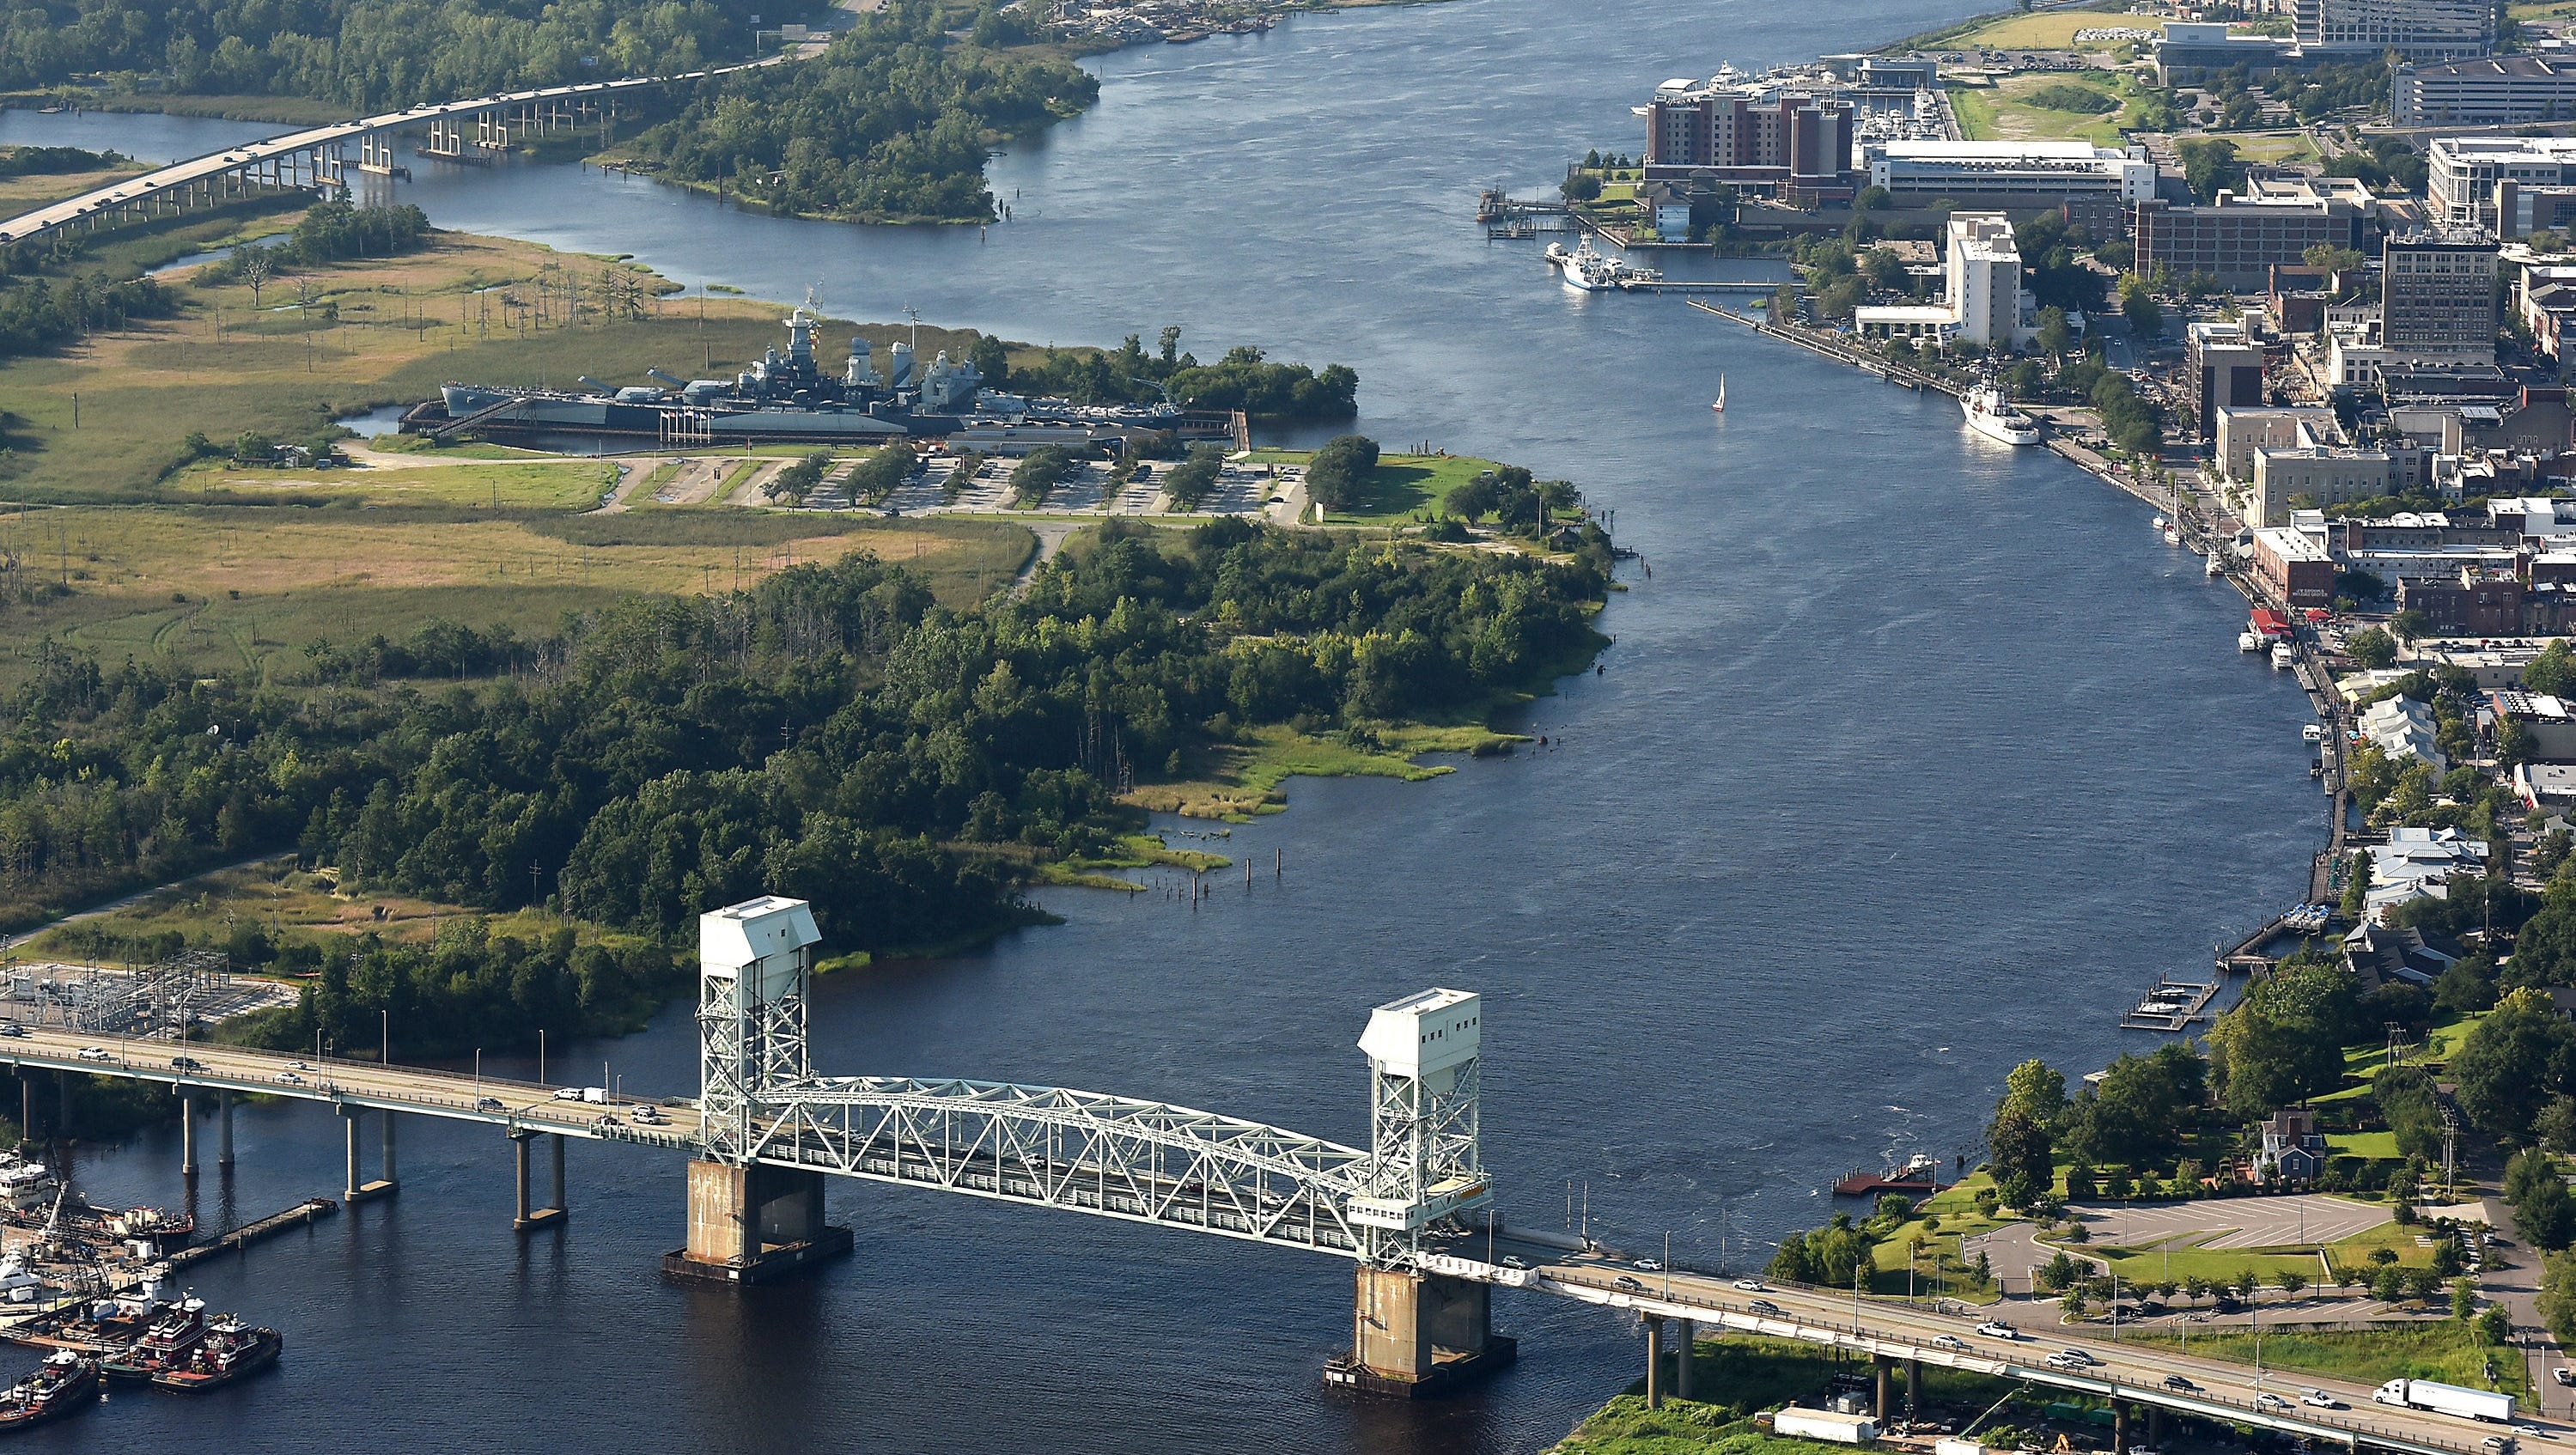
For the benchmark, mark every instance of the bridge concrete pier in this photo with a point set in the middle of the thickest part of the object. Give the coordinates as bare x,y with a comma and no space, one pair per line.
529,1218
1418,1334
750,1223
1882,1371
1913,1389
2119,1427
388,1184
187,1135
224,1129
1654,1362
1682,1357
2155,1427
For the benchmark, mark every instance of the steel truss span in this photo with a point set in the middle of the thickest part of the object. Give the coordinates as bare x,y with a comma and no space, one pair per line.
1081,1151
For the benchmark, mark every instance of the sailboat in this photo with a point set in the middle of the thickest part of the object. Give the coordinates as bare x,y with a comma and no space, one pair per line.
1720,403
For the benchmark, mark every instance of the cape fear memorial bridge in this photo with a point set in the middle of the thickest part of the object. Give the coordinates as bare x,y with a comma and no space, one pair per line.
767,1128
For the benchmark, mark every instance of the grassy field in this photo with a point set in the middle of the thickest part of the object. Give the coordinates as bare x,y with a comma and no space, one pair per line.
2448,1351
22,194
1733,1378
2279,148
514,485
233,587
2006,112
1402,486
2052,31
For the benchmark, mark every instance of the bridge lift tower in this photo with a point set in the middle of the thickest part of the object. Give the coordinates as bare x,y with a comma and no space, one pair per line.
749,1220
1413,1330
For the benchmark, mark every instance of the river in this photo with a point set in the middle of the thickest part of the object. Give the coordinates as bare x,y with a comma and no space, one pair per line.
1914,756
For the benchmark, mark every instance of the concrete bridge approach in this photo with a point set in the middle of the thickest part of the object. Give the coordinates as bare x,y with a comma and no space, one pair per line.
1412,1211
320,158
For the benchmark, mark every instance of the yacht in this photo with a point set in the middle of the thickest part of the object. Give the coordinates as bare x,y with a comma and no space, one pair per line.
2284,657
2248,642
2215,566
1990,415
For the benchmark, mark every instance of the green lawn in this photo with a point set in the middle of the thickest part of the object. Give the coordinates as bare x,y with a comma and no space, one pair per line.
526,485
2447,1351
2006,111
1401,487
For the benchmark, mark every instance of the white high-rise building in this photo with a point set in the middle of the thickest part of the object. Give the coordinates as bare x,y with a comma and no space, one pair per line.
1984,279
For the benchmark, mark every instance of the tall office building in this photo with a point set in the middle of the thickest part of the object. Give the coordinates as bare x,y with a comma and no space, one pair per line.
2437,296
2417,30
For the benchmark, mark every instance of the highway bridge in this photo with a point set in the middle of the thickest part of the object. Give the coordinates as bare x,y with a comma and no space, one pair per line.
318,158
1411,1210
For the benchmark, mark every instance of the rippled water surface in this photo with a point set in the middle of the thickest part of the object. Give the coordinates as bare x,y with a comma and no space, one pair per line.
1914,756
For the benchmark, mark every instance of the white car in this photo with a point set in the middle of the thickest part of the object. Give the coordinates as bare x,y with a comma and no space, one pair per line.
1514,1260
95,1053
648,1116
1949,1341
2270,1401
1997,1331
1647,1265
1752,1285
567,1093
2319,1399
289,1078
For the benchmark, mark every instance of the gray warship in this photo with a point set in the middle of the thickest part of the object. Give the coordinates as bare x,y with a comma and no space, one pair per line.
787,398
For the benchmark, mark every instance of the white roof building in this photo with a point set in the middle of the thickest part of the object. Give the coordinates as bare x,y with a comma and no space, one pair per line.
2417,864
2040,171
2401,727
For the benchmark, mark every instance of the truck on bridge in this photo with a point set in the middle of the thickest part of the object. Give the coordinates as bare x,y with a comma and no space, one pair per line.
2447,1399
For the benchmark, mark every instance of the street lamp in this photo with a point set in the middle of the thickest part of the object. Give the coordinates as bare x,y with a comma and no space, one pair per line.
541,1055
385,1048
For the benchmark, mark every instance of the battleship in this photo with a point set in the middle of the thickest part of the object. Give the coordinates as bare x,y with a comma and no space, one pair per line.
788,398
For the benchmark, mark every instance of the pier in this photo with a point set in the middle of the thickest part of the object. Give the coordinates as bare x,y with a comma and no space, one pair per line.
2197,997
303,1215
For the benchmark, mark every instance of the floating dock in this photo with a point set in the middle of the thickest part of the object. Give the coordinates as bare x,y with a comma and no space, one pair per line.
2172,1006
303,1215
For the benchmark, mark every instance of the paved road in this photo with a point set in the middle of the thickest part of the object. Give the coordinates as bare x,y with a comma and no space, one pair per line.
2221,1390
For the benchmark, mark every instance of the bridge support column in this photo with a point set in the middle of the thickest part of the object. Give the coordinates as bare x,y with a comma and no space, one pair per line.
1883,1387
530,1218
358,1191
2155,1427
751,1223
187,1135
1689,1347
224,1129
2119,1427
1417,1334
1913,1389
1654,1362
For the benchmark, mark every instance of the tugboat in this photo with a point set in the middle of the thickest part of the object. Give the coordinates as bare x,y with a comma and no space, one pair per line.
171,1343
230,1350
64,1384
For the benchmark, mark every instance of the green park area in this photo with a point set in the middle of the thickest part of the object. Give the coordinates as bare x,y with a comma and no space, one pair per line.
1400,490
2449,1350
2050,106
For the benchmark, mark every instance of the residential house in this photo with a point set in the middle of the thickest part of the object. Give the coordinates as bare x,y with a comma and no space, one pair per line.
2293,1149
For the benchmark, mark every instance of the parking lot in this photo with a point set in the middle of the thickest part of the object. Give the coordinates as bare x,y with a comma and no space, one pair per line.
2236,1222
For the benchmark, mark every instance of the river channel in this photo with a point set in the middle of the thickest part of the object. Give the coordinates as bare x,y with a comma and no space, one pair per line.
1914,756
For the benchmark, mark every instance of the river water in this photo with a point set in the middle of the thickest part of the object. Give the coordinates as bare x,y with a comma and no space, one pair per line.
1914,756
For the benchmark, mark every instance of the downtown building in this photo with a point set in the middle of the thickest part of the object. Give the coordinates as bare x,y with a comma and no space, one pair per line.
1982,302
2023,175
2519,90
2239,240
2437,296
1780,140
2417,30
2513,184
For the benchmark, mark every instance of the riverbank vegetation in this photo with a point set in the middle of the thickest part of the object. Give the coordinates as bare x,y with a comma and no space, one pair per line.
1245,378
891,123
365,57
831,732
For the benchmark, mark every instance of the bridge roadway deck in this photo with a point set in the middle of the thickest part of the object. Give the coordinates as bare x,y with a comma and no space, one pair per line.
2129,1371
130,190
509,1105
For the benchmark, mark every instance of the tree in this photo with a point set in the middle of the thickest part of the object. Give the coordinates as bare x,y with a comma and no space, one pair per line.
2283,1042
2553,671
256,265
1336,473
2035,1090
1872,198
2138,305
2464,1298
2195,1288
2209,166
2022,1158
2512,1063
2556,1125
2291,1281
2372,647
992,362
2496,1325
2055,335
1581,187
2558,1297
